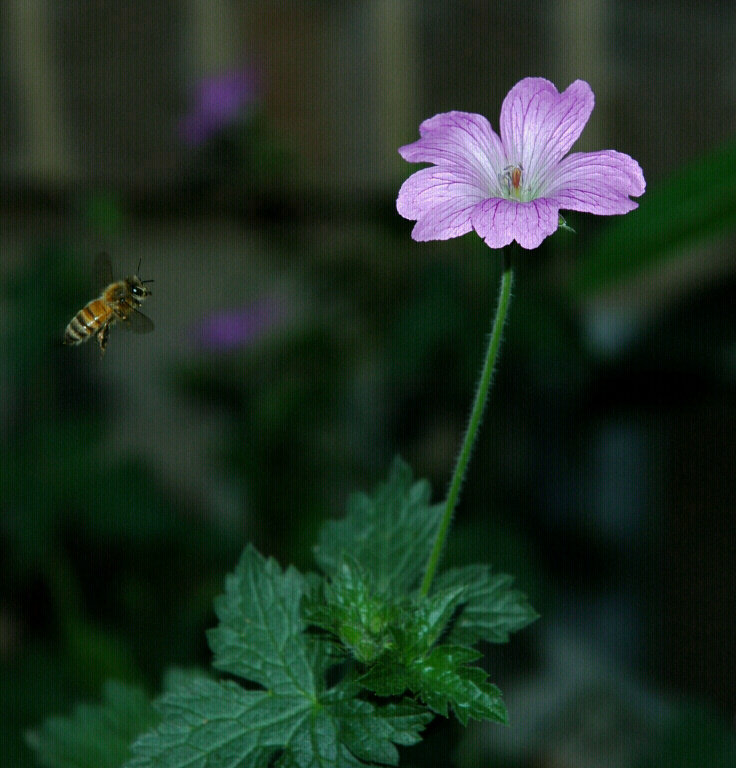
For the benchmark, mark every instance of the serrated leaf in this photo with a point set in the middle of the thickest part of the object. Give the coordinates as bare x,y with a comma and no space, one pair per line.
294,722
260,636
210,724
370,732
430,617
390,533
95,735
387,677
349,609
442,679
317,745
406,720
492,609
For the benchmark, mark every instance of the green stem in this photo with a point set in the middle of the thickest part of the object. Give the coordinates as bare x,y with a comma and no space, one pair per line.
476,414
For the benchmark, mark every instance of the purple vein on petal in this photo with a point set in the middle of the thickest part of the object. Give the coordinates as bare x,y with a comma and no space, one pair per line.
512,186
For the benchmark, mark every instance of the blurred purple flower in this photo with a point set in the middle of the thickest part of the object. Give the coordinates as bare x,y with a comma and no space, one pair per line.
512,187
230,329
218,101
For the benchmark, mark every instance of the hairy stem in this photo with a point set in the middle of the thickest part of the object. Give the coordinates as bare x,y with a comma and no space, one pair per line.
476,415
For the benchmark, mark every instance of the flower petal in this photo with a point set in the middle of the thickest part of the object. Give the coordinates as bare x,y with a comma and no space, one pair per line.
433,186
441,198
499,221
461,139
539,125
450,218
597,182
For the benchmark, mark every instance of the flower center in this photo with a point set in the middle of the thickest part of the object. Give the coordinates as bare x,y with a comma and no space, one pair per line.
510,179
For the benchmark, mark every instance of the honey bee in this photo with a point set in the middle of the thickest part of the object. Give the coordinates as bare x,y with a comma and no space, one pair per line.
118,302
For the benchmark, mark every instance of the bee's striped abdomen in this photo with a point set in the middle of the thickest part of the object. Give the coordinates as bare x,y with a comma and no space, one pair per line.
87,322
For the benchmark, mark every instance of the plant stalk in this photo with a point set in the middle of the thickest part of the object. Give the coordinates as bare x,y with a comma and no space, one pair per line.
476,415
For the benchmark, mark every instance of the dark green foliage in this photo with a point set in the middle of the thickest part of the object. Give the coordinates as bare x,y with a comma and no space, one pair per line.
280,634
445,678
261,639
429,617
397,628
395,641
350,608
219,723
442,678
492,609
389,534
260,636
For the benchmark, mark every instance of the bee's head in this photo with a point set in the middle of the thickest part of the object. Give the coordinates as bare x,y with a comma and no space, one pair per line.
137,288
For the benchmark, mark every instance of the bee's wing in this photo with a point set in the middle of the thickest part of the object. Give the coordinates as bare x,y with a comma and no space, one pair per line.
101,273
138,322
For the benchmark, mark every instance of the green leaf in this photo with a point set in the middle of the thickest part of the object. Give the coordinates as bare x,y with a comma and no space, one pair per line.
491,609
405,719
294,722
370,732
95,735
389,533
317,745
696,203
389,676
208,724
430,617
442,679
260,636
348,608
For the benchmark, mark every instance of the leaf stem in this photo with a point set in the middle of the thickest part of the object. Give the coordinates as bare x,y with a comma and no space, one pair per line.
476,414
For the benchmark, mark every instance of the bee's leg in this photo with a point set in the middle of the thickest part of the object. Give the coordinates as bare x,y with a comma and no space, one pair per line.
102,336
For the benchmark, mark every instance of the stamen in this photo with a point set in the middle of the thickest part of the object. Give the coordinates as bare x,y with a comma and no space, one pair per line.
510,180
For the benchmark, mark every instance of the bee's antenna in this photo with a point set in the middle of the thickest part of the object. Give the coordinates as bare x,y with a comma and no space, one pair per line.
148,281
138,269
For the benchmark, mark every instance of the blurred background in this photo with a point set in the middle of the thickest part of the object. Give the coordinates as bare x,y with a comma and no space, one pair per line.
245,153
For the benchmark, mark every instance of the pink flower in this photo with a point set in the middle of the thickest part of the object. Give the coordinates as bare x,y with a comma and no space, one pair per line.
512,187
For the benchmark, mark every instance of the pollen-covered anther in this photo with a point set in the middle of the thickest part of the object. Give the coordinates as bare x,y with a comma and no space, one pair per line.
510,180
